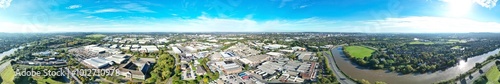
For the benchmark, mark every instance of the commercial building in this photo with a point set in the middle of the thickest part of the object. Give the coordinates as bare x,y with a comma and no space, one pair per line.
201,54
98,62
287,51
304,56
274,46
311,73
270,67
200,70
177,50
95,49
191,49
255,60
228,67
137,69
296,48
119,58
275,54
229,56
150,48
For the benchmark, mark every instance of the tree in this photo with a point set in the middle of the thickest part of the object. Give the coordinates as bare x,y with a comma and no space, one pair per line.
246,67
380,82
478,65
409,68
363,81
324,80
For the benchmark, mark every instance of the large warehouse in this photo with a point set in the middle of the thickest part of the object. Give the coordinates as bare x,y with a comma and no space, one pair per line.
98,62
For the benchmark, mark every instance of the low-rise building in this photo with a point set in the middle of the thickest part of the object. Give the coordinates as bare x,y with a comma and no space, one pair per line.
274,46
95,49
275,54
177,50
228,67
150,48
137,69
296,48
200,70
97,62
304,56
118,58
229,55
255,60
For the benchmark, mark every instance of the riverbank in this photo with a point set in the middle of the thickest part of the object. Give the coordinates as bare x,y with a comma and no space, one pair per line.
462,77
341,77
358,72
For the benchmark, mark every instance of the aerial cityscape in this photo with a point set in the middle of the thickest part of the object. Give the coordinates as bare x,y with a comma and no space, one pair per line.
249,42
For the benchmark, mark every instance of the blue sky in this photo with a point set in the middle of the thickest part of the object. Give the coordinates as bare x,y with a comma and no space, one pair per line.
371,16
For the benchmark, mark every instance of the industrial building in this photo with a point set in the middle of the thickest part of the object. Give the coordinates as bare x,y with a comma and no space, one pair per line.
228,67
95,49
119,58
304,56
229,56
98,62
137,69
275,54
177,50
274,46
255,60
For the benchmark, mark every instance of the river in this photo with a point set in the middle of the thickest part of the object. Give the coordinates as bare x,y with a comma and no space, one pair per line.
356,72
11,51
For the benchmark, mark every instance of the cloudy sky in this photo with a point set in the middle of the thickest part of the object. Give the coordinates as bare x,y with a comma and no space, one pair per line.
370,16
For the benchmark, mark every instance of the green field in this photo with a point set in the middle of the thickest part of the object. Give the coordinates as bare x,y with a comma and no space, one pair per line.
359,51
96,36
456,40
8,75
456,47
41,80
492,75
418,42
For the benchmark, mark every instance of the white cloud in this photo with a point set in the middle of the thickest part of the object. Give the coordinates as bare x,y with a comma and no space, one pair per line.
5,3
484,3
90,17
303,6
137,7
73,7
430,25
209,24
487,3
283,3
130,7
109,10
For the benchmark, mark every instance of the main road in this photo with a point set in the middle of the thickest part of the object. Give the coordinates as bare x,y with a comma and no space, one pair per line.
476,75
339,75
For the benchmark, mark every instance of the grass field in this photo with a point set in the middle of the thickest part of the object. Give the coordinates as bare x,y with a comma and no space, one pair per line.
41,80
418,42
456,40
492,75
8,75
456,47
359,51
96,36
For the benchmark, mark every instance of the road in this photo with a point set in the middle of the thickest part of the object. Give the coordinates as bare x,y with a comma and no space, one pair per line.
73,76
474,76
336,70
4,65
